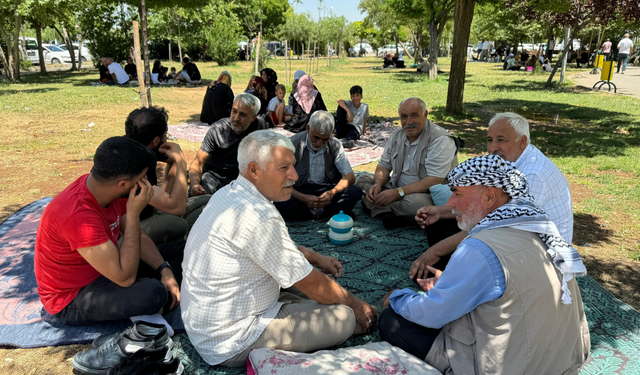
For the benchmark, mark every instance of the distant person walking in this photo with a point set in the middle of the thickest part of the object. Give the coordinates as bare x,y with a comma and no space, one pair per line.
480,48
486,45
625,47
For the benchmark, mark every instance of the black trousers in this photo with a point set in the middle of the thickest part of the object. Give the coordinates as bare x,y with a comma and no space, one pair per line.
408,336
345,201
344,130
103,300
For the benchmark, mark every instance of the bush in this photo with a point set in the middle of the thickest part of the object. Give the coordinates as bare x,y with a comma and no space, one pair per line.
222,42
25,64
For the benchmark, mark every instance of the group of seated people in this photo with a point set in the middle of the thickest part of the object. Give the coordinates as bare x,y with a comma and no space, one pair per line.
498,276
112,73
397,61
294,115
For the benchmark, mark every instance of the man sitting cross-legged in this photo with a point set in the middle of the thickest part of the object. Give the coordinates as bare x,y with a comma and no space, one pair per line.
170,214
507,137
83,277
507,303
325,178
420,154
216,163
238,257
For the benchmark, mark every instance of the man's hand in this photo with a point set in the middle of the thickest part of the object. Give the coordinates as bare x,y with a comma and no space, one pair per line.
366,316
197,189
329,265
308,199
169,282
373,192
137,202
420,267
324,199
350,117
427,215
173,151
427,284
385,299
386,197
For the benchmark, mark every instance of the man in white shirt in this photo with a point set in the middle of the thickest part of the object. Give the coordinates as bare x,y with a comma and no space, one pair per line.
238,257
625,47
417,156
507,137
118,75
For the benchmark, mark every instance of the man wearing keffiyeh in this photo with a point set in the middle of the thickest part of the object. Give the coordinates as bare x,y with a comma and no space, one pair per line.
508,301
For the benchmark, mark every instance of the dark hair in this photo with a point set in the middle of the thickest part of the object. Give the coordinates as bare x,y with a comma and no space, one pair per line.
355,90
185,60
144,124
120,158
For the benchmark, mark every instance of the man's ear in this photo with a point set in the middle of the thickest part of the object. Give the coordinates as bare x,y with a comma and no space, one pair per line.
156,141
426,113
123,185
522,142
253,169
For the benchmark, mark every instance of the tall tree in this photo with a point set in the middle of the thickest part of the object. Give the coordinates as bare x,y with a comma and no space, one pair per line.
462,27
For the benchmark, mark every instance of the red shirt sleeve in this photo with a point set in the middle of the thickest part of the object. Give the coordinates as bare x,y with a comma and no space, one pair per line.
87,229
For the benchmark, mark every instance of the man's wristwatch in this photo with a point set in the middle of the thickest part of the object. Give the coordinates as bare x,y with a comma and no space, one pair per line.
401,192
163,266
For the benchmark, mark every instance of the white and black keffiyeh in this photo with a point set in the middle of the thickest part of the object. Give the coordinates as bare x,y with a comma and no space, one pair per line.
520,213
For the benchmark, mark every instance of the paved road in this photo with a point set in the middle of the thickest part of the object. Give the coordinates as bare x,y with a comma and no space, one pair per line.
627,83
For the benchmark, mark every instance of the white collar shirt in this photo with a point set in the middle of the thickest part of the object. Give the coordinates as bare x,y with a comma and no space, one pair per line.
550,189
237,257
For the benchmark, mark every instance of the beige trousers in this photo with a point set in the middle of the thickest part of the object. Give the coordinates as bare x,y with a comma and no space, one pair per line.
405,207
302,325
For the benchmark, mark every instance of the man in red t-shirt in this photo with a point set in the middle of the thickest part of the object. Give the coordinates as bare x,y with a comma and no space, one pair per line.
83,277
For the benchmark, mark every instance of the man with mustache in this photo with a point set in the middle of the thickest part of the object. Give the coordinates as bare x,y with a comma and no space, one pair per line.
238,258
84,275
325,178
508,301
507,137
420,154
170,214
216,164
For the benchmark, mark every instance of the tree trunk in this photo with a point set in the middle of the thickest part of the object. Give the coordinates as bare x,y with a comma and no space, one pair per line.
434,47
38,26
461,30
567,33
179,44
72,53
24,45
565,50
597,47
170,56
6,67
16,42
417,49
145,46
9,66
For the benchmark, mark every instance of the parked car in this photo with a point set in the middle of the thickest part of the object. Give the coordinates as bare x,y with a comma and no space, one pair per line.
391,48
52,54
86,55
363,47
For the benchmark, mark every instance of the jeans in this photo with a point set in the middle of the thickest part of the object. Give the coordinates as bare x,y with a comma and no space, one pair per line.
212,182
103,300
408,336
622,60
344,130
345,201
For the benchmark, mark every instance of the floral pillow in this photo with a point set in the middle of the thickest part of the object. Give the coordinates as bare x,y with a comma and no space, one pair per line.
378,358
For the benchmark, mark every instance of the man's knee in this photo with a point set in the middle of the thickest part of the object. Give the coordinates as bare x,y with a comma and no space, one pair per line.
365,181
164,228
153,295
387,323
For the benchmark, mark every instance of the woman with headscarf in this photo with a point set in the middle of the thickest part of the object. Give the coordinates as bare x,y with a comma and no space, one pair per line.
256,87
306,100
218,100
160,70
388,61
270,77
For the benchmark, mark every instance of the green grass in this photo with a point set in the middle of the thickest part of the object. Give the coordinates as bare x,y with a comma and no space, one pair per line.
594,138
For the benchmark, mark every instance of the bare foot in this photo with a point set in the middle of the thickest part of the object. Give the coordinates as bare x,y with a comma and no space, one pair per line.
280,125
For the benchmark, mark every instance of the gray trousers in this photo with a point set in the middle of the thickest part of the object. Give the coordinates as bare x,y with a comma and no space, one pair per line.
405,207
302,325
162,227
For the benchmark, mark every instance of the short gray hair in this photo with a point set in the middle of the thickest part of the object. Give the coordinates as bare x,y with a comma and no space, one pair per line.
257,146
249,100
423,105
322,122
517,122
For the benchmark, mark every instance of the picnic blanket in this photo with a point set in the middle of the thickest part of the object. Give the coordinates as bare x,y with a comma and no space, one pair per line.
21,324
374,262
368,148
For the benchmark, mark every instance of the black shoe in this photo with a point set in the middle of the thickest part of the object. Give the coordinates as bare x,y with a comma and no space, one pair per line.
111,354
139,330
138,361
391,221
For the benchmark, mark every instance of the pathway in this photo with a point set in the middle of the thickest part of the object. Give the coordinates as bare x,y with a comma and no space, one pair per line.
627,83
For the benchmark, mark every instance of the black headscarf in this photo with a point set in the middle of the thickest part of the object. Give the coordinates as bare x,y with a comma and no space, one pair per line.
272,81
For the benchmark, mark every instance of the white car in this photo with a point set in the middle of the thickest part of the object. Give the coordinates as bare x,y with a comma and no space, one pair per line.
365,46
52,54
391,48
86,55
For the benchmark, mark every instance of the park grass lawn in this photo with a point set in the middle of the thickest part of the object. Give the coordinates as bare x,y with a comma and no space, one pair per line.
594,138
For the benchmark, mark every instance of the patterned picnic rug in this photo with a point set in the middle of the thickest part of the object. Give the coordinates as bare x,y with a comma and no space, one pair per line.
368,148
378,260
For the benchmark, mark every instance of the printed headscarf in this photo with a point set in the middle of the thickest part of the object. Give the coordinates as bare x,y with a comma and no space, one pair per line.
520,212
305,93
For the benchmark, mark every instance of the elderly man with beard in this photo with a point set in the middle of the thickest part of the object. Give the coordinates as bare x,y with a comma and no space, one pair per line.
507,137
238,258
216,163
170,214
508,301
420,154
325,178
